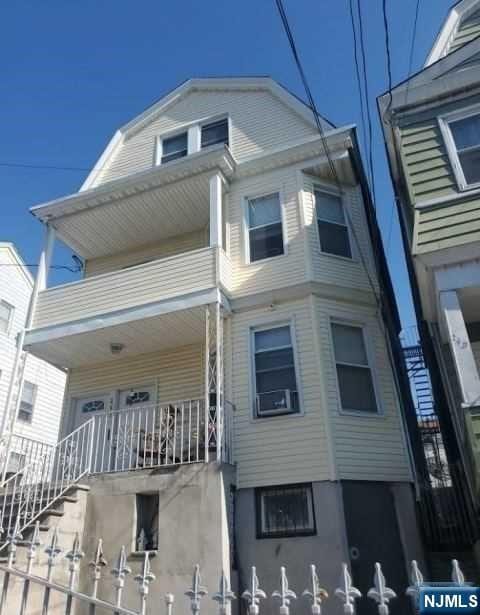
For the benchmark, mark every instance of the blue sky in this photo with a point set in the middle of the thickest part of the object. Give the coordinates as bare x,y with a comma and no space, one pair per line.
74,71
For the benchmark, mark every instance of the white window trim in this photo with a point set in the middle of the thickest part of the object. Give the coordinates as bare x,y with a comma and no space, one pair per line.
34,401
266,325
246,227
10,318
444,124
328,189
367,337
194,136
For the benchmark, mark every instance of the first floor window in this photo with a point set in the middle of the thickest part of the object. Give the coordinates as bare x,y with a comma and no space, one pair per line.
276,390
27,401
466,137
285,511
174,147
146,536
355,381
215,132
265,234
332,227
6,314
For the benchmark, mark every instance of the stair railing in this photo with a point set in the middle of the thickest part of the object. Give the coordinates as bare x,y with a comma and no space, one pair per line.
37,485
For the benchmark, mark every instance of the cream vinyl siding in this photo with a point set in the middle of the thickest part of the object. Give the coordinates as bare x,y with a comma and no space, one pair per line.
177,375
169,247
283,449
259,121
270,273
128,288
333,269
365,447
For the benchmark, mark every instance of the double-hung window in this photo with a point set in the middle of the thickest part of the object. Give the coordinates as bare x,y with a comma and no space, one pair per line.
332,226
6,314
265,234
286,510
27,401
215,132
354,374
174,147
462,135
276,390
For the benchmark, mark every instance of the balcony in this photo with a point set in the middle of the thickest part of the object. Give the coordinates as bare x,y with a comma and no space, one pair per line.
146,307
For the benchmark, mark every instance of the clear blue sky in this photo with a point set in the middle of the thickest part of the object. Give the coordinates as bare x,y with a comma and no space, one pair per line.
72,72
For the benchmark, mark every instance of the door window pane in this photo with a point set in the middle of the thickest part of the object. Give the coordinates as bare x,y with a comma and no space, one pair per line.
265,227
275,378
354,375
332,227
174,147
216,132
285,511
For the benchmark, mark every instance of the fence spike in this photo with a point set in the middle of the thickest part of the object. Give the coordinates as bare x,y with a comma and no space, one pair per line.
144,579
53,551
224,595
169,600
253,595
13,537
416,580
120,572
347,593
33,544
317,594
457,575
380,592
74,556
284,593
96,566
197,592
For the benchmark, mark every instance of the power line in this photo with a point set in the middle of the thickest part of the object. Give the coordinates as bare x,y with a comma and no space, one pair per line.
52,167
412,47
387,50
76,269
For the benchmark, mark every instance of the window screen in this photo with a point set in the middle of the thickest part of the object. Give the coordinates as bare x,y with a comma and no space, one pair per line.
466,135
265,227
216,132
332,227
275,378
29,391
355,380
285,511
174,147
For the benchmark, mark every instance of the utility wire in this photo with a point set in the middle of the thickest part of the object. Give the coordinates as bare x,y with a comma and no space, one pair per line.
387,50
412,48
51,167
76,269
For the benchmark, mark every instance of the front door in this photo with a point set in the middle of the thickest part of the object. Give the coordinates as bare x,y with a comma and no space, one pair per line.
95,406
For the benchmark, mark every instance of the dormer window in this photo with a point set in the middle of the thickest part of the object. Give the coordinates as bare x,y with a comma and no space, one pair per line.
461,131
174,147
215,132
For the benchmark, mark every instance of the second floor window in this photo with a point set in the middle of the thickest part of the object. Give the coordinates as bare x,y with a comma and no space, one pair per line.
29,393
332,226
174,147
215,132
466,140
354,375
6,315
265,234
276,390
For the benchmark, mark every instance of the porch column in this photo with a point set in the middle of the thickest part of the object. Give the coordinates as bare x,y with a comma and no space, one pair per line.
214,380
216,234
44,263
464,360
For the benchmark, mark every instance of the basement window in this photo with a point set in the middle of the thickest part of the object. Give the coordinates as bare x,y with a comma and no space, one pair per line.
146,534
285,510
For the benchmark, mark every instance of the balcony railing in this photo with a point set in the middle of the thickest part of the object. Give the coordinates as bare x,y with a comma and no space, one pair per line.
137,286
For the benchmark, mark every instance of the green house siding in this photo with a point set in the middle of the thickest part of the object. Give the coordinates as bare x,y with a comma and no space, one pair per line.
430,176
468,30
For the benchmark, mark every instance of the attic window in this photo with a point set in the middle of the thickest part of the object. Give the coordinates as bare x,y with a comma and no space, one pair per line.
461,131
174,147
215,132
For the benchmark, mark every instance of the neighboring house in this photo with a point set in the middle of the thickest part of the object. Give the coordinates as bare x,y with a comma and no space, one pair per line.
431,124
37,388
229,312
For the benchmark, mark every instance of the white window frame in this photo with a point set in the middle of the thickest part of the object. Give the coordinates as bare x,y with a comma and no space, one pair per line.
367,336
213,120
444,123
35,393
168,135
266,326
246,227
10,318
327,189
